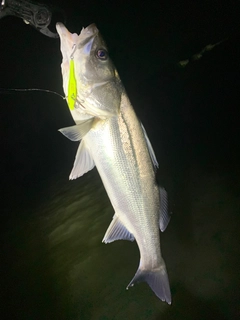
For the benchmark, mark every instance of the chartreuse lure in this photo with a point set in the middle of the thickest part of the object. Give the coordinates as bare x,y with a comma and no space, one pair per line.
72,86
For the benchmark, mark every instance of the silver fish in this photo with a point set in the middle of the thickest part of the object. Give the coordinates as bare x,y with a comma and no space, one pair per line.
113,140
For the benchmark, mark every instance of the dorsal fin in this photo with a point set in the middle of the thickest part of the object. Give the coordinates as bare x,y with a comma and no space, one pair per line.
150,148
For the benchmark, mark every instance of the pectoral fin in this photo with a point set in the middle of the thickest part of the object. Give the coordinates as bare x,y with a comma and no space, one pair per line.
77,132
117,231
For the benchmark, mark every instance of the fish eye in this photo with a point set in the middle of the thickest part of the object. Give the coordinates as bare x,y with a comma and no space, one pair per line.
101,54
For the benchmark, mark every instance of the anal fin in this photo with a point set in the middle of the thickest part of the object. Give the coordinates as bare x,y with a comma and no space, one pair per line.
117,231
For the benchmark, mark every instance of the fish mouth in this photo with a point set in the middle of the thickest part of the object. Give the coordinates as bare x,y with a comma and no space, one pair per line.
85,34
61,29
86,37
91,30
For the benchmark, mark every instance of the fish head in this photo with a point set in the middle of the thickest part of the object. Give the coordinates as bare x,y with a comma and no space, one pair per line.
99,87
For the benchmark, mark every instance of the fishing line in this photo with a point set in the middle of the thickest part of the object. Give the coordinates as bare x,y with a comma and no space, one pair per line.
5,90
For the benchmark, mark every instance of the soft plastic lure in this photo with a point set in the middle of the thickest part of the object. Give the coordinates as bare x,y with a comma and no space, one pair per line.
72,86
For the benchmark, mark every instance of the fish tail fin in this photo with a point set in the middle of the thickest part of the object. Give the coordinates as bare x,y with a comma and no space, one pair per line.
157,279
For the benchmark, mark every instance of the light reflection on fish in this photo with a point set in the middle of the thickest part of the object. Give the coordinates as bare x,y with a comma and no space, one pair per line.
113,140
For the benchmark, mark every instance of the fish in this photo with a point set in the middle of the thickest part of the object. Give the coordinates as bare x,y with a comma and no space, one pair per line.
114,140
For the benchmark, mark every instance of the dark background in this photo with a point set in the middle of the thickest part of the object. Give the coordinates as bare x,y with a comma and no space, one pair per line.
191,115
